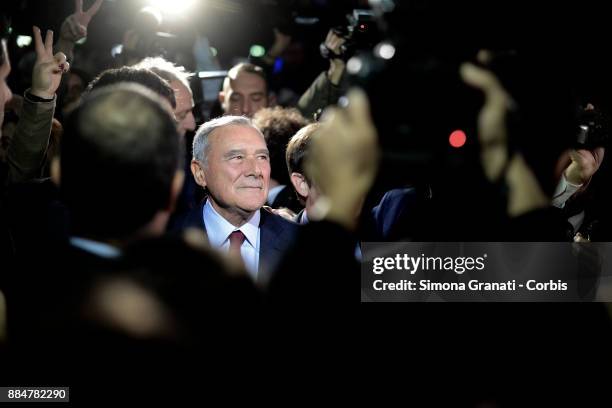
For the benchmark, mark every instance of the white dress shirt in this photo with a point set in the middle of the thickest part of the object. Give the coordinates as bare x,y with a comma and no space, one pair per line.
219,229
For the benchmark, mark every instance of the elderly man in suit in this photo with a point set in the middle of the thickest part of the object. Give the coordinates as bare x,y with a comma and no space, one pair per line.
232,162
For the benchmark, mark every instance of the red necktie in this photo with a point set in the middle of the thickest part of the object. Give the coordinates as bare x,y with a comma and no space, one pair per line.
236,239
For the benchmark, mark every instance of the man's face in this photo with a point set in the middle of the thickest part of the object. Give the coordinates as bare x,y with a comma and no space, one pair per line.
184,107
237,171
5,91
245,95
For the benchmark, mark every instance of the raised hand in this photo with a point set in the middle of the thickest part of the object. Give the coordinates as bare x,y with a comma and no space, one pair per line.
75,25
48,69
584,164
344,160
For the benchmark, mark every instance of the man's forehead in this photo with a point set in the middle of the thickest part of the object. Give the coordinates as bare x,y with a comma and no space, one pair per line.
180,90
238,134
246,81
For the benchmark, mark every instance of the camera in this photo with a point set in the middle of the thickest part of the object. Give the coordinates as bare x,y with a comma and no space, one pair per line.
360,32
593,129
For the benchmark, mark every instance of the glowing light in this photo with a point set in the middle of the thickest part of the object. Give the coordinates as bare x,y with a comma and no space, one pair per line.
385,50
457,138
213,51
257,51
116,50
354,65
172,6
23,41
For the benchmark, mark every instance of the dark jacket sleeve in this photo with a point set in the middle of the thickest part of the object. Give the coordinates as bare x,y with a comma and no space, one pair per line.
321,94
28,147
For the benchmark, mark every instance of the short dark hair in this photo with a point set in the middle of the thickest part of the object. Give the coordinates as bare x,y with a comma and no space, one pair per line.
298,149
141,76
119,155
278,126
247,67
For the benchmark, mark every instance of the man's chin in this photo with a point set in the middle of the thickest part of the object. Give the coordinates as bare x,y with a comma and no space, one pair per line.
252,205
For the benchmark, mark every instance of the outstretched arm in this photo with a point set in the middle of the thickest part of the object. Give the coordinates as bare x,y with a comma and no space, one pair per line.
26,152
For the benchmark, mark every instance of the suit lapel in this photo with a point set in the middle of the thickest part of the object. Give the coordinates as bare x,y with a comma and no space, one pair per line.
271,250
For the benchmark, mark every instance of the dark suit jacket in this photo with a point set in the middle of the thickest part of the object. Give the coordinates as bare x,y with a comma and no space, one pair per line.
286,198
277,235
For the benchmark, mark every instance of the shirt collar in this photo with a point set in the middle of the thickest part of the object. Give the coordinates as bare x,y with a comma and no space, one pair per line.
218,228
304,219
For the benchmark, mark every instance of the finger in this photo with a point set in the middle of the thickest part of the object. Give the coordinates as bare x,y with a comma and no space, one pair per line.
66,67
485,81
477,77
93,9
58,68
73,26
49,42
598,153
60,58
38,44
78,6
359,106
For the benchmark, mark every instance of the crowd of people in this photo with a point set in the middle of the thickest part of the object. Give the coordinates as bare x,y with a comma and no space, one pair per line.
128,224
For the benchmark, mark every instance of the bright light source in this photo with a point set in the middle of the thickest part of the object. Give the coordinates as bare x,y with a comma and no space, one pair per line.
354,65
116,50
385,50
172,6
23,41
457,138
82,41
257,51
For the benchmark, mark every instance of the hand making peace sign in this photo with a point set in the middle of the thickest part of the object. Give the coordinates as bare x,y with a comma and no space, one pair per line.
75,26
48,68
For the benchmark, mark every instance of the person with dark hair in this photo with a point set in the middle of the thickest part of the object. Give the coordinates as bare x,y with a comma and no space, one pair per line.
297,153
245,90
131,179
178,78
119,286
278,125
37,214
140,76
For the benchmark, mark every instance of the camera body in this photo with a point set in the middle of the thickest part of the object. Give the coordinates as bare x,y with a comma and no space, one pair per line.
593,130
360,32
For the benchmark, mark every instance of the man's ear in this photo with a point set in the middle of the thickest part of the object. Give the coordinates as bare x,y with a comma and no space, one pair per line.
198,173
55,170
300,184
221,97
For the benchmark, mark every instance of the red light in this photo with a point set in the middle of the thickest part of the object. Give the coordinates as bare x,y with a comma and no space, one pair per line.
457,138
